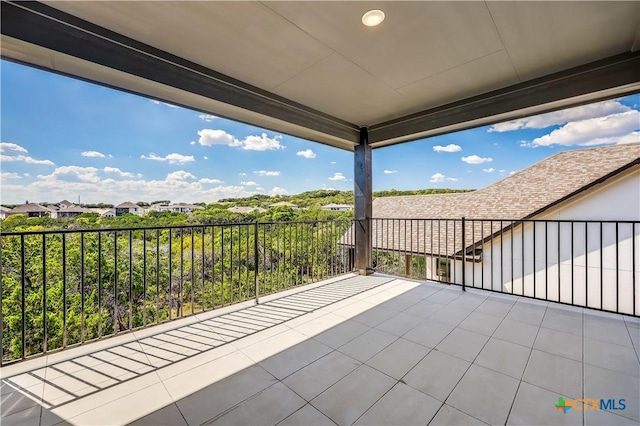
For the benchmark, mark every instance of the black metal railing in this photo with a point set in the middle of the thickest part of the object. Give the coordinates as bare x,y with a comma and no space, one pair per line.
592,264
64,288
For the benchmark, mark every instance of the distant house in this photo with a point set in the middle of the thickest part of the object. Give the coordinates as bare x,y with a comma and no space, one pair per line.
31,210
176,208
284,204
567,189
337,207
128,207
245,210
71,211
106,212
4,211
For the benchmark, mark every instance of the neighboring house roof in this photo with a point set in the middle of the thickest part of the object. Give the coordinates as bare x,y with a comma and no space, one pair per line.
65,203
4,209
240,209
344,206
31,207
127,205
523,195
74,209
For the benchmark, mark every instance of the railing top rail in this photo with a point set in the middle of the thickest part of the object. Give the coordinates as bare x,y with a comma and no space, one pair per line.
507,220
163,227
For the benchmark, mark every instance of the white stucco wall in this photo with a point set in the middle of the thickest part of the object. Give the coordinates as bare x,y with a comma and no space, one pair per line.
592,259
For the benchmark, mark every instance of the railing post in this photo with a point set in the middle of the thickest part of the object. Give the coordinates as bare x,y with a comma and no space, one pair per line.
256,259
464,255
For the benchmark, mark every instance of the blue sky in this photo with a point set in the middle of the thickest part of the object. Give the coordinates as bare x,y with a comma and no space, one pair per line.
65,138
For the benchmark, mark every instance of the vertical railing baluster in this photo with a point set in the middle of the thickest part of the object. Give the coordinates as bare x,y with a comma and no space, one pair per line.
23,286
512,255
601,270
99,284
158,275
170,288
116,328
502,256
559,260
180,312
492,256
213,267
144,278
522,254
546,260
193,278
44,296
130,280
64,291
572,258
464,254
617,269
534,258
204,284
82,320
633,264
586,264
256,262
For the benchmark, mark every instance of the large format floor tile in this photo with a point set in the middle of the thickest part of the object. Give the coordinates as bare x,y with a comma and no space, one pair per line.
365,350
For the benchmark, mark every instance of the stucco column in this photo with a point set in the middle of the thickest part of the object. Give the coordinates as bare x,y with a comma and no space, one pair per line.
363,201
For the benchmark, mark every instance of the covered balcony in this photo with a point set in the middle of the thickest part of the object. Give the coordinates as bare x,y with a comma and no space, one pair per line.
245,328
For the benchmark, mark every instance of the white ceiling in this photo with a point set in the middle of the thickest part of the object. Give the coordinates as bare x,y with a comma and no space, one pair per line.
423,55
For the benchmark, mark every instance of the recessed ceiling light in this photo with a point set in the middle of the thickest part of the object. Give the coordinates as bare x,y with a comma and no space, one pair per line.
373,18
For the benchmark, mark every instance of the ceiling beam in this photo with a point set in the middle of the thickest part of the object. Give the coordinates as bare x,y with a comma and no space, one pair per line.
36,25
605,79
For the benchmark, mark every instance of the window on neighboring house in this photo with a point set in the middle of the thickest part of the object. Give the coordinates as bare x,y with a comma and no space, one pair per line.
443,269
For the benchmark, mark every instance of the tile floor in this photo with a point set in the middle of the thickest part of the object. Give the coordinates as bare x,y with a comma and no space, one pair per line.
353,350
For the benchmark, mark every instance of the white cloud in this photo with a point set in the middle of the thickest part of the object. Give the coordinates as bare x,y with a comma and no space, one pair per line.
192,143
489,170
205,158
555,118
242,174
11,148
93,154
8,146
209,181
512,173
276,190
26,174
73,174
26,159
449,148
9,175
437,178
164,103
474,159
210,137
248,183
261,143
333,162
69,181
172,158
179,176
307,153
207,117
338,176
118,172
390,172
612,129
265,173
